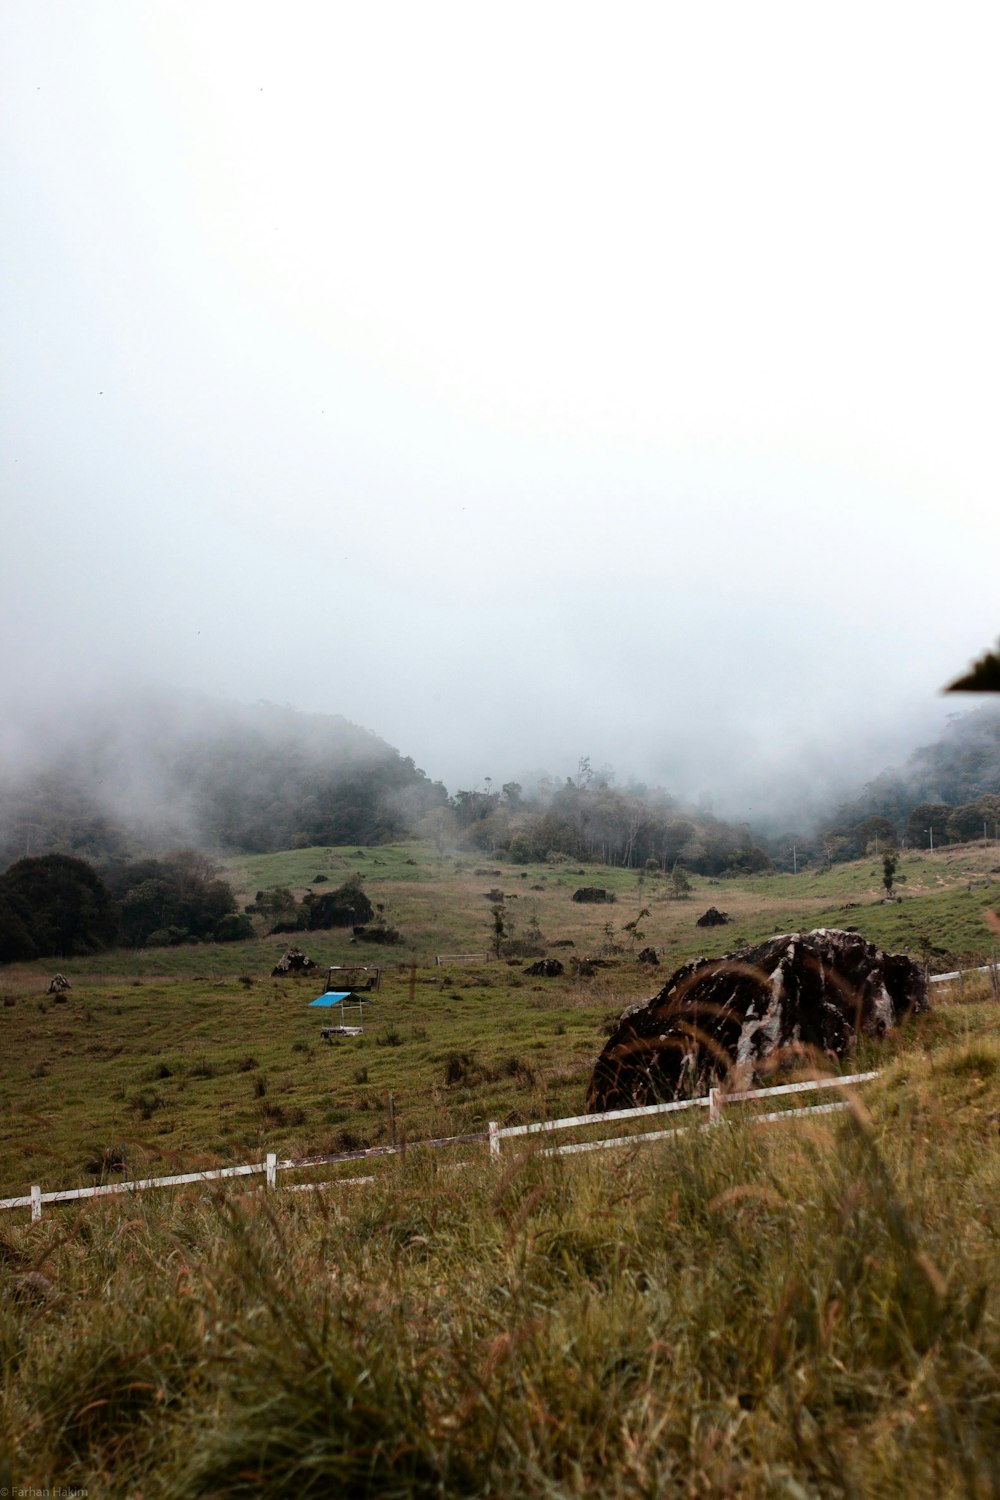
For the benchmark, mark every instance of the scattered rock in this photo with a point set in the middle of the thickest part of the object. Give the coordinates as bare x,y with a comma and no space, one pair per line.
563,943
57,984
648,956
292,961
112,1158
792,997
713,918
377,934
593,893
546,968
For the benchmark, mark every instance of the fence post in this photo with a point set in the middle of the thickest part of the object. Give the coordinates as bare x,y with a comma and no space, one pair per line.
714,1107
271,1169
36,1203
494,1138
392,1119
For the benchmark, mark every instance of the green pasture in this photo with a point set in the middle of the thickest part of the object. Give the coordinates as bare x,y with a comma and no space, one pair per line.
802,1310
805,1310
194,1055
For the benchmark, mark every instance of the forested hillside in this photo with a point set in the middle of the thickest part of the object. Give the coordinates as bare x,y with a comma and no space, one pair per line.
948,791
588,817
144,778
147,776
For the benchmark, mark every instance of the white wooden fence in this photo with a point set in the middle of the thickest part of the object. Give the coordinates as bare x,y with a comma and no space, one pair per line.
715,1102
270,1167
957,974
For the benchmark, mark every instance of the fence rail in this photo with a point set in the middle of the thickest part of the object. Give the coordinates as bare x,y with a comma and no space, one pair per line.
715,1102
957,974
270,1167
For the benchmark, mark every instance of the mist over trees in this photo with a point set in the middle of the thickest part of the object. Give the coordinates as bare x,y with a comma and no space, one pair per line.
589,818
141,780
144,777
948,791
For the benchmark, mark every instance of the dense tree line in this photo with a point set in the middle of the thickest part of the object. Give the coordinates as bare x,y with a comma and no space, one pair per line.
589,818
948,792
55,905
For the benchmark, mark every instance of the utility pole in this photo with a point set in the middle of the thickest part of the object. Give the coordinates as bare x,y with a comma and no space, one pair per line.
931,832
795,868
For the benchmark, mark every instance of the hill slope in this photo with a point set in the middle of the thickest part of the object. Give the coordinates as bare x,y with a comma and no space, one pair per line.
155,772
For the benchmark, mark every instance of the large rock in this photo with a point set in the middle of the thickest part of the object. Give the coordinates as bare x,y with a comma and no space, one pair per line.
713,918
793,997
293,961
546,968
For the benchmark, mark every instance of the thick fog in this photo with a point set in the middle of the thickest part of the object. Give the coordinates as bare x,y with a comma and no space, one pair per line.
521,383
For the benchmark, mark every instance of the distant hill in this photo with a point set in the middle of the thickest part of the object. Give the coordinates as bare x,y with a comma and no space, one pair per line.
153,773
952,786
157,772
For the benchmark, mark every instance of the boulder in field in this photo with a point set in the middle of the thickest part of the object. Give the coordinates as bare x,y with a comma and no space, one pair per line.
593,893
713,918
293,961
795,997
545,968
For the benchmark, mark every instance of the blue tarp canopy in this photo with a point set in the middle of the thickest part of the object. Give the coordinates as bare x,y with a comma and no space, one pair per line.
332,997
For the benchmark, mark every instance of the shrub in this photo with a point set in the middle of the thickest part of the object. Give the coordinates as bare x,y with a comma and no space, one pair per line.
387,935
233,928
145,1104
346,906
457,1068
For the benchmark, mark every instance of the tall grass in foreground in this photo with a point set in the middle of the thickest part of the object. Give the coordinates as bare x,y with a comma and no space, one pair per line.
794,1311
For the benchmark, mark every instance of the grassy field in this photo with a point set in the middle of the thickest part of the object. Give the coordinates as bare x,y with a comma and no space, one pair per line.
195,1056
787,1311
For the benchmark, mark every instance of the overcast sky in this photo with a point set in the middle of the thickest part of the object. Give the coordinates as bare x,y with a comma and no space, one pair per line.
522,382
